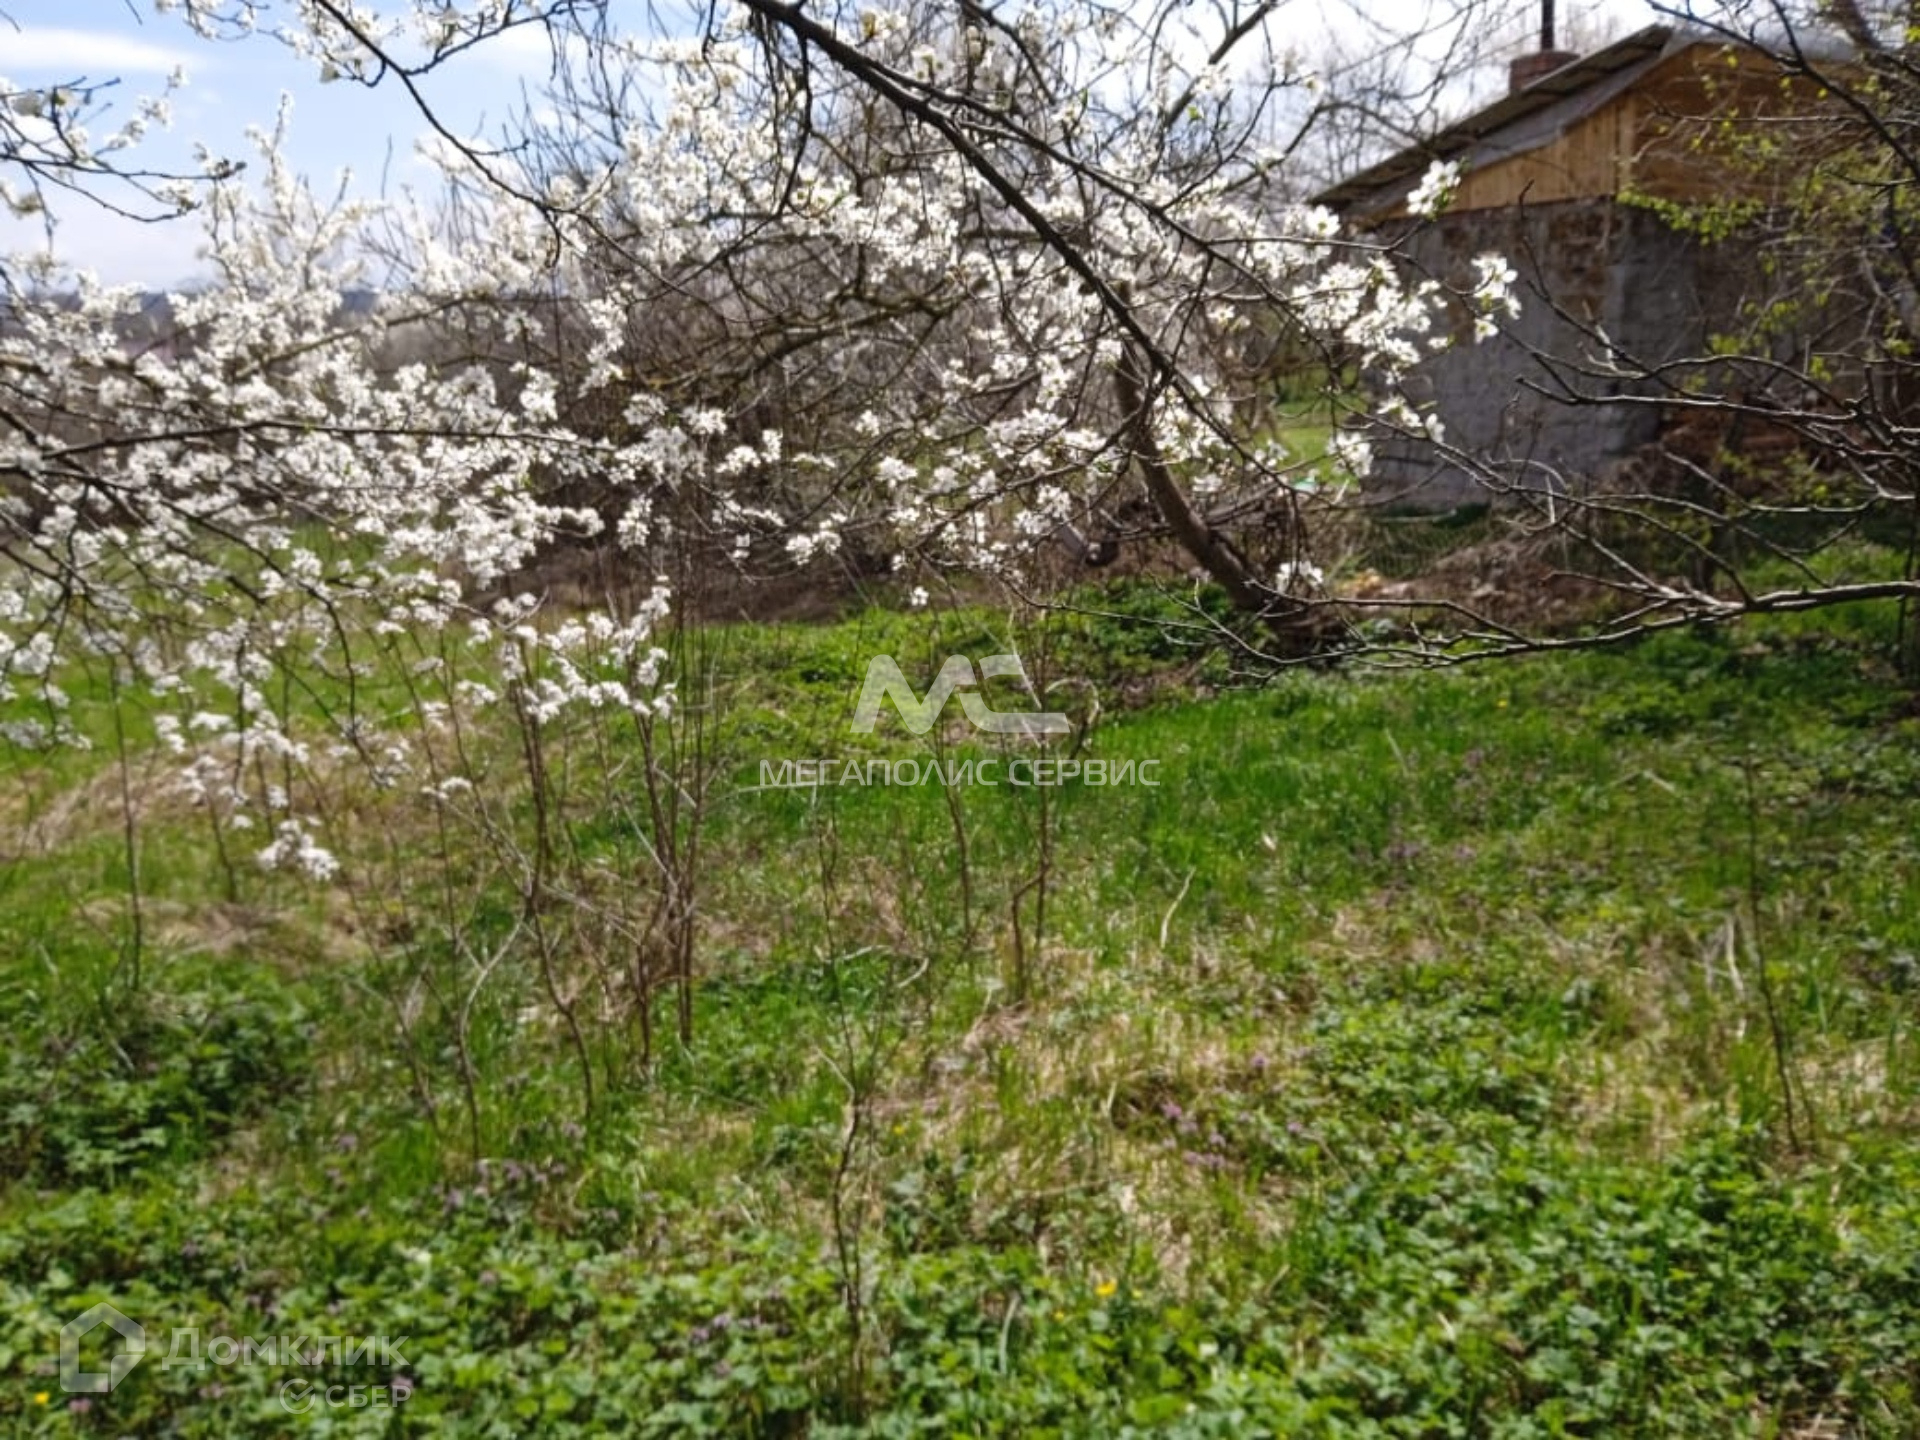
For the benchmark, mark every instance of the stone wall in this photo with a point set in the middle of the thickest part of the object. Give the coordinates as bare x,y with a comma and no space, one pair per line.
1587,268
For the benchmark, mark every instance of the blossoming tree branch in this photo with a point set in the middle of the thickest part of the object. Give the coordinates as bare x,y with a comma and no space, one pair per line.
920,290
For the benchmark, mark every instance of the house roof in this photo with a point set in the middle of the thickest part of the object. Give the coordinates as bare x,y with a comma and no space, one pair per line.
1515,123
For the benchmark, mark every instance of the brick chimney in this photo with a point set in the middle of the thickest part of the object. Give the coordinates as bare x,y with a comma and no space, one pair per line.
1526,69
1523,70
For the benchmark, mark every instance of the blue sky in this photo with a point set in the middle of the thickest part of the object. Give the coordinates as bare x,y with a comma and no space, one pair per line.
230,86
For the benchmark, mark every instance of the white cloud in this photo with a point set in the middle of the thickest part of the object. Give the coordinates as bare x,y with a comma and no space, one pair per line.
524,48
119,250
93,53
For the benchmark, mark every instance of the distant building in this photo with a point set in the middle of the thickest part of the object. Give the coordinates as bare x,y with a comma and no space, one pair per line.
1565,176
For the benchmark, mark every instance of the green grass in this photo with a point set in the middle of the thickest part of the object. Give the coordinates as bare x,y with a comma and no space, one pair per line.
1399,1065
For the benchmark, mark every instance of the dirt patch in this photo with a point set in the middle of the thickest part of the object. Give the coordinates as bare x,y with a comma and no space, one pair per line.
35,823
1534,583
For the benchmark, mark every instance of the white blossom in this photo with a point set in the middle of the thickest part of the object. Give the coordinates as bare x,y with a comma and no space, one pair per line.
1435,190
